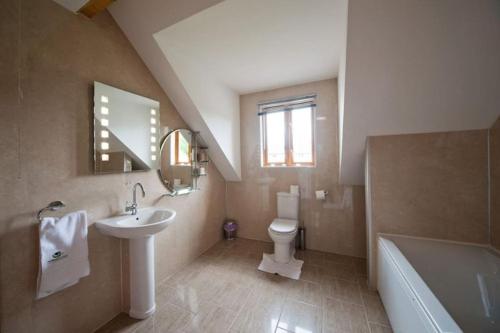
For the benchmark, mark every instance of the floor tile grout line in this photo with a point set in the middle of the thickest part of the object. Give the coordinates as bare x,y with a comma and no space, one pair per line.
344,301
380,324
237,314
279,318
365,311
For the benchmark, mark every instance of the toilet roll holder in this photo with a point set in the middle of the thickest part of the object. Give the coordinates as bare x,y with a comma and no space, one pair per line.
325,193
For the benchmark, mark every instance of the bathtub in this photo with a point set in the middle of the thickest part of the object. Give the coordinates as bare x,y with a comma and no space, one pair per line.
438,286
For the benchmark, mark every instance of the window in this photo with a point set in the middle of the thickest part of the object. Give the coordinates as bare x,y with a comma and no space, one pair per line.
180,150
287,132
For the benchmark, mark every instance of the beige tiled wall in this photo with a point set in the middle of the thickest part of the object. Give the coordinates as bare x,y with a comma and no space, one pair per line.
430,185
495,183
49,59
335,225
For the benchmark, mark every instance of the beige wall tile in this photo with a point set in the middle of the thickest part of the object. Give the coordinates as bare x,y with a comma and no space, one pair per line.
334,225
429,185
45,138
495,183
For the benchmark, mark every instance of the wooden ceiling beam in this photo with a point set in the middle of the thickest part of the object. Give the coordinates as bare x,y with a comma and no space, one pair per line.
93,7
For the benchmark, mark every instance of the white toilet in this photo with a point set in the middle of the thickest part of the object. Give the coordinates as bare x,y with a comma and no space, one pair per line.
282,231
284,228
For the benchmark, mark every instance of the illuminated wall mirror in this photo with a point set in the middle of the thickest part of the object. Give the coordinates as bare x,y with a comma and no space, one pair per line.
126,131
177,164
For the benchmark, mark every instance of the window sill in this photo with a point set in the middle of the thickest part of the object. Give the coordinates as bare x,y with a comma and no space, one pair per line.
287,166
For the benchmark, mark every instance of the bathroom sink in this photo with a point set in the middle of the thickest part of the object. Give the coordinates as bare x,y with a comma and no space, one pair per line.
147,222
139,229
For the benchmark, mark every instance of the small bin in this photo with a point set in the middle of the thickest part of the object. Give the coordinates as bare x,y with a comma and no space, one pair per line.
230,227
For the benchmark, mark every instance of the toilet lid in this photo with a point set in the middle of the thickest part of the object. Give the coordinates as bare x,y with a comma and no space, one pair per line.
284,225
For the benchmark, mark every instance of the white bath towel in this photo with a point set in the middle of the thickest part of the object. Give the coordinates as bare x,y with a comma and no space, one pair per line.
64,255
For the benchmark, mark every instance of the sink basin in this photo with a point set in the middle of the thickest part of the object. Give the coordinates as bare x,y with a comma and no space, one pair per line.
147,222
140,229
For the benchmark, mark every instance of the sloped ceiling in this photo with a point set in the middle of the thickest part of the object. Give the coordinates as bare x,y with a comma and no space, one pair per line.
206,53
258,45
418,66
139,20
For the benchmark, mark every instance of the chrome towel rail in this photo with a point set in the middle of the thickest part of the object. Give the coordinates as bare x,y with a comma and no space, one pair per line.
54,205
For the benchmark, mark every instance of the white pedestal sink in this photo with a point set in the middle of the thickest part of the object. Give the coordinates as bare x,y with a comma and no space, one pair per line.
140,230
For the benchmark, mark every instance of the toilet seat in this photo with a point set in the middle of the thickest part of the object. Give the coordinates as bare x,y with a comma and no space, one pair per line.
284,226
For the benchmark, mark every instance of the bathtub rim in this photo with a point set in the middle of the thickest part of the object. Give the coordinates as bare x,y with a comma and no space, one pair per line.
441,240
432,308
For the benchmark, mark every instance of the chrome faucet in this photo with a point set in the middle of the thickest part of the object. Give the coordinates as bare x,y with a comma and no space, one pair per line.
132,208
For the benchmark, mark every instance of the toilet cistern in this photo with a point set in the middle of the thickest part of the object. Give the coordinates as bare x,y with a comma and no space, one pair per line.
132,208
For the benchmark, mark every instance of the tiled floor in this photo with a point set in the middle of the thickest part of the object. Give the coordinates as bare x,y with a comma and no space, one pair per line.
222,291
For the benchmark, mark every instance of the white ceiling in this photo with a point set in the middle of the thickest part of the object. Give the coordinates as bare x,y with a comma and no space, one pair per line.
258,45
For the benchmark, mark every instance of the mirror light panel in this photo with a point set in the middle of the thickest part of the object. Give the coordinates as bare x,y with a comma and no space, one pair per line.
104,128
153,122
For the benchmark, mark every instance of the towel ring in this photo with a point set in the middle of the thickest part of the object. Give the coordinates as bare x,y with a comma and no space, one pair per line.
54,205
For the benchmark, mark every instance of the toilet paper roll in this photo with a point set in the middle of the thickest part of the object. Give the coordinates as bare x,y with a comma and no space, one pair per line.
320,195
294,189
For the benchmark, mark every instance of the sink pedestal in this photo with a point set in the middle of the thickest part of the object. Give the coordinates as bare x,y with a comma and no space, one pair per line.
140,229
142,277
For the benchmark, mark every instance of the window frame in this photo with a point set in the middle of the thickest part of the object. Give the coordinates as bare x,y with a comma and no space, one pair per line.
177,150
288,163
